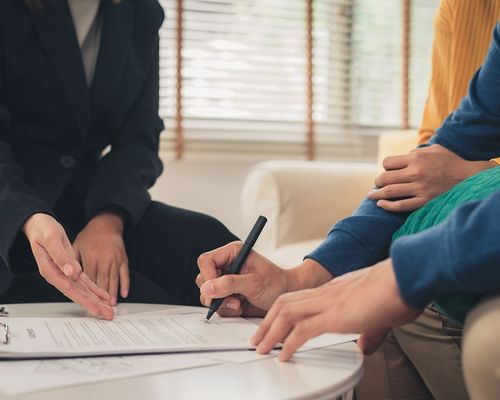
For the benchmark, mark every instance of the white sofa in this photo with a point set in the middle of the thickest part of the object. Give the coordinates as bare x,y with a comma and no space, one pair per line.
303,199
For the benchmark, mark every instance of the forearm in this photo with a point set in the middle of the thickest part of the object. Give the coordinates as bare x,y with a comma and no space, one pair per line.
358,241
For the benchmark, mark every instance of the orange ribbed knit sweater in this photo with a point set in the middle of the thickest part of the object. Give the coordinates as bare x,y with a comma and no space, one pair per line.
463,31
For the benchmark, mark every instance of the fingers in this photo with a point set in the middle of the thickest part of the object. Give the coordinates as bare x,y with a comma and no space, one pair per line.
124,279
103,272
89,301
106,311
220,258
60,251
76,289
369,342
200,280
392,177
405,205
395,162
227,285
90,268
401,190
114,280
231,307
280,321
100,293
108,268
300,334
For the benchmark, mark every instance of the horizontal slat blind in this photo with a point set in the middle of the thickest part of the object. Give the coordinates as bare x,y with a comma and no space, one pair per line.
244,87
377,63
423,13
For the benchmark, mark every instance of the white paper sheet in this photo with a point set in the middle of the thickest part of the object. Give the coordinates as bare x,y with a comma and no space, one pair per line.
32,375
62,337
241,357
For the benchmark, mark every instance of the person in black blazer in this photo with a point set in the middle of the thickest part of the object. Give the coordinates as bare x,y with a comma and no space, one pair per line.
66,203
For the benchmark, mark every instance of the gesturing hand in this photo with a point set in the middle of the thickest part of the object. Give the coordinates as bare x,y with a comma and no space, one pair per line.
413,179
366,301
251,293
57,264
101,250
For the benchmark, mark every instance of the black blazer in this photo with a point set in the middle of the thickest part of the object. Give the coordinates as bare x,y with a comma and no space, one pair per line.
53,128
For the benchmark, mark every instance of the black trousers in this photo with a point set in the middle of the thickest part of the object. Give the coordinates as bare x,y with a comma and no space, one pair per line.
163,250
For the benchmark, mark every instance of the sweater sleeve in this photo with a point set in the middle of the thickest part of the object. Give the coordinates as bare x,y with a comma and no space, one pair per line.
437,105
460,254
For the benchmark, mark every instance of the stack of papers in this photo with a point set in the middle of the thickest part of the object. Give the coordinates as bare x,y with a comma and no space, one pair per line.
135,334
50,341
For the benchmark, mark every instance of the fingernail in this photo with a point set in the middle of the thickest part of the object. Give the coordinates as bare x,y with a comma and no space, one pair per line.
208,288
232,305
375,190
67,269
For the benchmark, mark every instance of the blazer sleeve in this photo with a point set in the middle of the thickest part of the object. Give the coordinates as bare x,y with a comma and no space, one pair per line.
132,166
18,201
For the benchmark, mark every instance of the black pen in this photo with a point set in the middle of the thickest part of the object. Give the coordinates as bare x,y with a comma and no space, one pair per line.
240,259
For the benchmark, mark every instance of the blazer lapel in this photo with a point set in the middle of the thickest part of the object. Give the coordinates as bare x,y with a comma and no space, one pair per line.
56,30
116,41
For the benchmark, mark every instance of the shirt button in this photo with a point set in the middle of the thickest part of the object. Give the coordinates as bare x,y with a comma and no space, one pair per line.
67,161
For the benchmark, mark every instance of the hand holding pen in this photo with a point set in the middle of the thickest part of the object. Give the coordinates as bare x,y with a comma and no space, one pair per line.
249,293
240,259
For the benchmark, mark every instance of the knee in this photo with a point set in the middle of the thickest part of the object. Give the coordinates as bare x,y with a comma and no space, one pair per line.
187,223
481,352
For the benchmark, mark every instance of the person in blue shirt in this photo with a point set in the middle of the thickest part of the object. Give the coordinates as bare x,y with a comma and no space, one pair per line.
460,254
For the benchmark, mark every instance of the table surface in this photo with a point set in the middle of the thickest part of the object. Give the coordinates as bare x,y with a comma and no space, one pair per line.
321,373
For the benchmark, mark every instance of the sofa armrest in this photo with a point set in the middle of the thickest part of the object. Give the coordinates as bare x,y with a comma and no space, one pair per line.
302,199
394,143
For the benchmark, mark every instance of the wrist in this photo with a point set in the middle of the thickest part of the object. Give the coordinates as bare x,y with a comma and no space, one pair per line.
108,220
309,274
33,222
474,167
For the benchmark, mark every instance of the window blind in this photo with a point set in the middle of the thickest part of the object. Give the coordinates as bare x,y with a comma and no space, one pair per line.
377,61
244,81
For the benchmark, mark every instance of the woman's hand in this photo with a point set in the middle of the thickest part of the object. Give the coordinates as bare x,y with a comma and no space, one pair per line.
101,250
260,282
412,180
366,301
58,265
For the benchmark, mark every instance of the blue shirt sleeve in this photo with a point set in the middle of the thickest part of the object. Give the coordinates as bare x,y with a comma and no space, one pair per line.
473,130
360,240
462,254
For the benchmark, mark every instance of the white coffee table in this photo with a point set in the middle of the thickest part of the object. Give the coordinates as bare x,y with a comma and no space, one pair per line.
325,373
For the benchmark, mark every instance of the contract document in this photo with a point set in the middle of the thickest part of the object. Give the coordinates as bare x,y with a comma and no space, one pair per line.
134,334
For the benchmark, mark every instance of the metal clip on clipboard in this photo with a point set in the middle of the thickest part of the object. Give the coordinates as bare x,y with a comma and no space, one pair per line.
5,327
